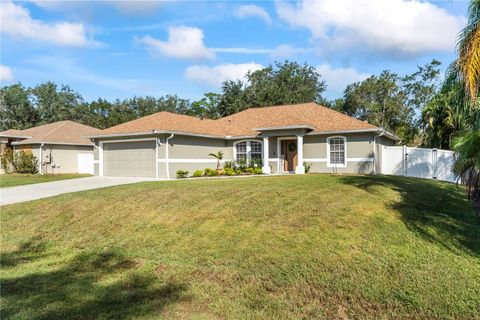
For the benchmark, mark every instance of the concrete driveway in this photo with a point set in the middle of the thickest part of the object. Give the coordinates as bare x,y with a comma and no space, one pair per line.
48,189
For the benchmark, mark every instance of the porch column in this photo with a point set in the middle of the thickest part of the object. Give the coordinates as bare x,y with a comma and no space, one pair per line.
300,169
266,160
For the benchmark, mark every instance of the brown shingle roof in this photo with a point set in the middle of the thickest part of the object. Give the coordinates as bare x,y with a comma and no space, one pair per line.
244,123
61,132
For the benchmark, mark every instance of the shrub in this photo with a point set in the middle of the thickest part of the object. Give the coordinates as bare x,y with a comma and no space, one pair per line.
7,161
19,162
256,163
242,164
250,171
238,171
307,167
229,164
229,171
198,173
182,173
258,171
211,172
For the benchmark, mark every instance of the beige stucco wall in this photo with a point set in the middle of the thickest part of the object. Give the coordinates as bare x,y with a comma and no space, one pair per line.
182,148
63,155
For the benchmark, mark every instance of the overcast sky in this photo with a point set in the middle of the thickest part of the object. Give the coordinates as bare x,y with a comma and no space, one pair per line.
118,49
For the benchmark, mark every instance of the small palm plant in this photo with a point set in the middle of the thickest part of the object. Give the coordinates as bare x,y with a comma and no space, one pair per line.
218,156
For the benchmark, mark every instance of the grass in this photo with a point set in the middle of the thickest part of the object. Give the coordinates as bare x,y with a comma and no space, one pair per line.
14,179
290,247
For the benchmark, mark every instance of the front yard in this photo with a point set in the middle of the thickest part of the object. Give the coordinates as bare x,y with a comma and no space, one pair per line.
16,179
290,247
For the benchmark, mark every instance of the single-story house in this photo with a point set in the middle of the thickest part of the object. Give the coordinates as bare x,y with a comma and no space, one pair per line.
60,147
283,137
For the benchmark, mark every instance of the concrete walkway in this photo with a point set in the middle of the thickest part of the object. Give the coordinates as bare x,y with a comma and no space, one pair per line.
36,191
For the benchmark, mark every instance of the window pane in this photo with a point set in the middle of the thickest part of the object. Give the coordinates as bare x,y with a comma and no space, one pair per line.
256,156
255,147
241,156
241,147
337,151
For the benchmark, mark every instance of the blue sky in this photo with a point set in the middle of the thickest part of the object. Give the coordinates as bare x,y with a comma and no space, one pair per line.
118,49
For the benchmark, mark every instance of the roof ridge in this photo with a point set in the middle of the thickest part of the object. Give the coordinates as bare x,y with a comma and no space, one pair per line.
62,124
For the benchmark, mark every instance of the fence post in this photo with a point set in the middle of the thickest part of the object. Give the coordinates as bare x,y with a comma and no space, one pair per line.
404,161
434,163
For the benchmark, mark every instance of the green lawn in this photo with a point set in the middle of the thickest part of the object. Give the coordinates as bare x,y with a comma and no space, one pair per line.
10,180
290,247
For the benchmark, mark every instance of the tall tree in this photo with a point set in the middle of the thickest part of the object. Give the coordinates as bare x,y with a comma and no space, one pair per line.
207,107
381,101
467,145
55,104
16,109
469,50
281,83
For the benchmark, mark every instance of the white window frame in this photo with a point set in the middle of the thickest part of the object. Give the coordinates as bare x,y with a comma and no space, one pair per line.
249,149
336,165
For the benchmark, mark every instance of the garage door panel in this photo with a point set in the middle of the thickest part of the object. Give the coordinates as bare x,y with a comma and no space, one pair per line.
129,159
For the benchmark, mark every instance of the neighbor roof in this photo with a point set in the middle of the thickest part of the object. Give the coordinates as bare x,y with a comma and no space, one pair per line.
61,132
249,122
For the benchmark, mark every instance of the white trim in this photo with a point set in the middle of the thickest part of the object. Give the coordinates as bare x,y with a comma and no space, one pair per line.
330,165
167,167
24,142
248,150
301,126
360,159
279,150
100,159
128,140
96,161
266,162
157,143
299,169
173,160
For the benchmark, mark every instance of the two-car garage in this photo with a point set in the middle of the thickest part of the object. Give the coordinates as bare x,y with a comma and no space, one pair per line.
130,159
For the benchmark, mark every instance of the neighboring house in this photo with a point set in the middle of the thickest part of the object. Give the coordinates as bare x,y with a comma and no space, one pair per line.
284,137
60,147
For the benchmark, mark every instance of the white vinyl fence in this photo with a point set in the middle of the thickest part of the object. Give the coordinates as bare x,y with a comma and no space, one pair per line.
418,162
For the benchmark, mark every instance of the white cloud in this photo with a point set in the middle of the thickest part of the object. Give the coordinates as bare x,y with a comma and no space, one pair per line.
183,43
17,22
337,79
252,10
6,73
216,75
402,26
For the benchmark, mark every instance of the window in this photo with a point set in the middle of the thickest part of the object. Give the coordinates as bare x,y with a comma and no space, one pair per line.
241,150
248,150
255,150
336,152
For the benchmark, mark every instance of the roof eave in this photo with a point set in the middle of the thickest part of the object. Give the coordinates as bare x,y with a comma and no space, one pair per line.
302,126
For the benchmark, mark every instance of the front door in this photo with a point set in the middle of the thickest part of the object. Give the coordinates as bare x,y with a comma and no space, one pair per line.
289,155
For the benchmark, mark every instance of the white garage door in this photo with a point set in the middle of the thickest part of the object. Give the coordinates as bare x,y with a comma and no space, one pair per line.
85,163
129,159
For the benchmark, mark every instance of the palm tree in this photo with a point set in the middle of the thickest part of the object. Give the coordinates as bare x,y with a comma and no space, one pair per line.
469,51
467,145
467,162
218,156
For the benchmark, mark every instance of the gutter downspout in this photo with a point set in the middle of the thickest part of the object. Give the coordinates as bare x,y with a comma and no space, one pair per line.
41,159
375,151
167,173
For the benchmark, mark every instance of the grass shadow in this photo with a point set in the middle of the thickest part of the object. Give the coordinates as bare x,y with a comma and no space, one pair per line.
435,211
93,285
